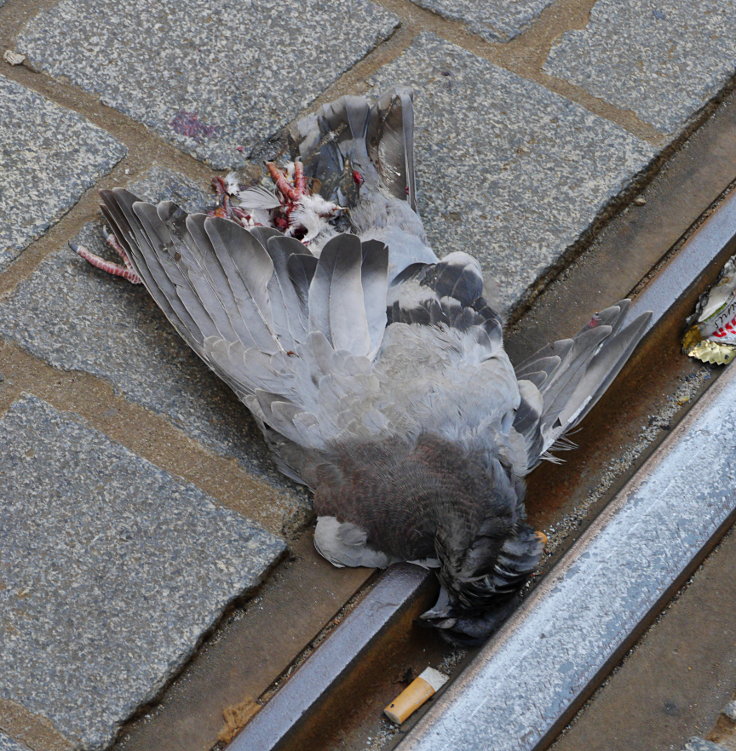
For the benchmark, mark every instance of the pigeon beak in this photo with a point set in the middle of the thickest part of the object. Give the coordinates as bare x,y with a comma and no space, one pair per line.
440,615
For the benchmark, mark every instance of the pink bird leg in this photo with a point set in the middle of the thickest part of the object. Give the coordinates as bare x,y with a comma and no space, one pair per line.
125,270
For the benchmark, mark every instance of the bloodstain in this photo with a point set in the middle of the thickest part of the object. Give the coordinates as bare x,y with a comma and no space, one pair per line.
189,124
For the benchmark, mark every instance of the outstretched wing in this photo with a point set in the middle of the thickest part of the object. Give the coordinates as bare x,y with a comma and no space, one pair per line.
294,336
562,382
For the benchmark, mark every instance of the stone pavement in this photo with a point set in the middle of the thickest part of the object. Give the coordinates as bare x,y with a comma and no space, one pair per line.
139,500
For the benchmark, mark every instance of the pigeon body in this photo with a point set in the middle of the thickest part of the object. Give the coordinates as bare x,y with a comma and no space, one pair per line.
375,370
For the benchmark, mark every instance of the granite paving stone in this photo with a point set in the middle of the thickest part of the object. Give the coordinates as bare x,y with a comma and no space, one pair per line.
111,571
494,20
729,711
79,318
49,157
507,170
663,59
7,743
208,77
700,744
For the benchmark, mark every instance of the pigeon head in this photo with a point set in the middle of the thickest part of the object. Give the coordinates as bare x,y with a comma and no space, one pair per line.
471,608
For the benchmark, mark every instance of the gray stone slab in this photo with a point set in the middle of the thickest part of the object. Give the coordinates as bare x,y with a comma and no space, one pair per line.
663,59
523,681
206,76
729,711
111,570
78,318
507,170
700,744
49,156
7,743
494,20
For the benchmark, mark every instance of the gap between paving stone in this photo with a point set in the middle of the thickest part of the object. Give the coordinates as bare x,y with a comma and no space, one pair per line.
113,571
526,53
663,59
145,67
51,156
37,733
144,149
153,438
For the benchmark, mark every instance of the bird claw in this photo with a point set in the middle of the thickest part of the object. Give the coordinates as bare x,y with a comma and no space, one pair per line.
124,270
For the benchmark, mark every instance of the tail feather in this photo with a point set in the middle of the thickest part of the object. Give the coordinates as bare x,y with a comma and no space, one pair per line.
335,289
391,144
351,134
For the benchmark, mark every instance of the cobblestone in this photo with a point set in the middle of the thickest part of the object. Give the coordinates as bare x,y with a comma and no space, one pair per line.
494,20
49,156
111,571
700,744
208,77
78,318
6,743
663,59
507,170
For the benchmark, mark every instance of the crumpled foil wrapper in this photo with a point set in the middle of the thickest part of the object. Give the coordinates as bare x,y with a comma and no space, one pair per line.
711,329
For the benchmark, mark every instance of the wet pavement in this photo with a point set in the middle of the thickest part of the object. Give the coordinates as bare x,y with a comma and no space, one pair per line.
536,123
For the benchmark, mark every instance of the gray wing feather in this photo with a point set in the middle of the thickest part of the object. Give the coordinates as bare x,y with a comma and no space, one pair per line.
336,296
570,376
288,308
247,268
390,140
258,197
373,276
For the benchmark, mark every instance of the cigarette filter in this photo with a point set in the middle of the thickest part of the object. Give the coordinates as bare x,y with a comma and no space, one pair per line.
414,695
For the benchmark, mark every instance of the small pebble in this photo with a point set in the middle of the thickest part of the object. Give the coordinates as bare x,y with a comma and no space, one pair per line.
14,58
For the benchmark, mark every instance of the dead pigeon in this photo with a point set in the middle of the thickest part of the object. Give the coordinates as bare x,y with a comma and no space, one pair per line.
376,371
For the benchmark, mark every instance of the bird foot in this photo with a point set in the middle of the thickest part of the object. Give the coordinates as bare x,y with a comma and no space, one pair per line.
225,189
294,208
125,270
292,187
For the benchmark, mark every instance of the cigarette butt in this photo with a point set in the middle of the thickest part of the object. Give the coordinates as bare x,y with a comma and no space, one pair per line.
414,695
541,536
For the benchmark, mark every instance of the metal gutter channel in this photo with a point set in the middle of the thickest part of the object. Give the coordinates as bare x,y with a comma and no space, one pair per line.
687,269
387,605
390,599
519,689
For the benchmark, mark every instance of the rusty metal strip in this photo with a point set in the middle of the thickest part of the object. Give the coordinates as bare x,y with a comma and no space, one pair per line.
335,657
692,266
